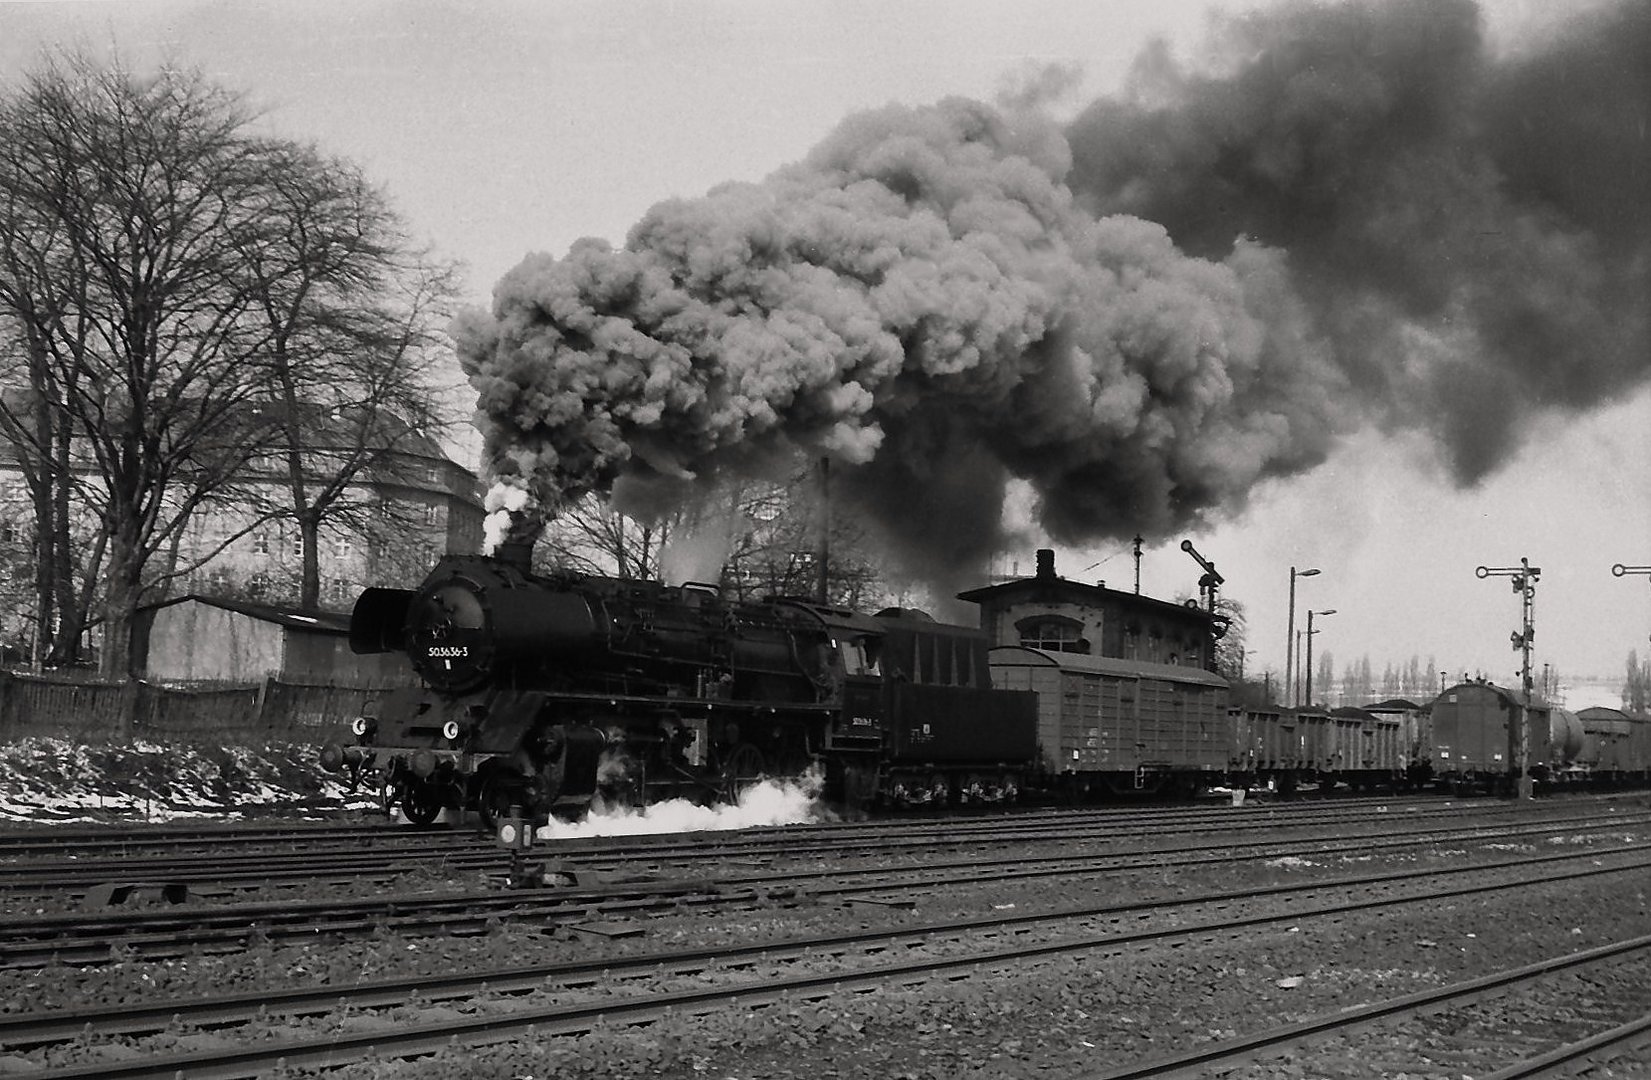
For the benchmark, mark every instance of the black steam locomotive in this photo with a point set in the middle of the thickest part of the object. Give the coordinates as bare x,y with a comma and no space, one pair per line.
543,693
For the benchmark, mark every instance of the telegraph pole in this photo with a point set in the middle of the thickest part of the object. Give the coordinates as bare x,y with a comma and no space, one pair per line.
1524,583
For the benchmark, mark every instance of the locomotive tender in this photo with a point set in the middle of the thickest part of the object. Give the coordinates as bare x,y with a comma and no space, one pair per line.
543,692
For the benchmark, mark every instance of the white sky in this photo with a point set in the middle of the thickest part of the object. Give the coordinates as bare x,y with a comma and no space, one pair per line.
500,128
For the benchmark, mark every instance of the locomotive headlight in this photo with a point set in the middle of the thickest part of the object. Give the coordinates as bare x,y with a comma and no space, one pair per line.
359,725
450,731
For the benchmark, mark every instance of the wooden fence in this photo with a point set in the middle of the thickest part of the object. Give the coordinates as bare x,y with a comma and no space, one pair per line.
98,711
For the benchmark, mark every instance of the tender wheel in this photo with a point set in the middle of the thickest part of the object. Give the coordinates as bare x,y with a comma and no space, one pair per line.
940,790
744,767
422,803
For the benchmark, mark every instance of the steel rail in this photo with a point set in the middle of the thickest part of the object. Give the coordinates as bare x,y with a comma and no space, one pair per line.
1235,1052
434,1034
87,938
986,823
1562,1060
235,868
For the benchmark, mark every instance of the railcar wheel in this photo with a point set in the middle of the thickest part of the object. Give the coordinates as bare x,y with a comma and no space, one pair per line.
496,799
743,769
421,803
940,790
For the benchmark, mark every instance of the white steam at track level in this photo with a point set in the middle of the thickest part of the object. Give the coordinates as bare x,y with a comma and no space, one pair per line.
1357,213
768,802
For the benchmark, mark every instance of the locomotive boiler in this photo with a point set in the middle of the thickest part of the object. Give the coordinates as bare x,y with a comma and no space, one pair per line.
541,693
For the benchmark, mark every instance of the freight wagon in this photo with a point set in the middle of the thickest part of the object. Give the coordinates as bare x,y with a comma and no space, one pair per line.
1475,725
1107,725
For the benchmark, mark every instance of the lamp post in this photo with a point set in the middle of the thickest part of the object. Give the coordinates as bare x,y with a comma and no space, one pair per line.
1309,665
1290,642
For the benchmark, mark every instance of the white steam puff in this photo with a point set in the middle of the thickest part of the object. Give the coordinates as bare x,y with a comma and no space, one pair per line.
502,502
768,802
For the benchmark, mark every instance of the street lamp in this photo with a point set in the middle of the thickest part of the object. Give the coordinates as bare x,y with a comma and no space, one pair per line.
1290,642
1310,633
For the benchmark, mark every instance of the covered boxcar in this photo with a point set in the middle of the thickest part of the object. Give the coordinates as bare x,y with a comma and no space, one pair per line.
1614,745
1111,725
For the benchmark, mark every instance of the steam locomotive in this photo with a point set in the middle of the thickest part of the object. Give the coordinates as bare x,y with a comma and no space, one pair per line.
542,693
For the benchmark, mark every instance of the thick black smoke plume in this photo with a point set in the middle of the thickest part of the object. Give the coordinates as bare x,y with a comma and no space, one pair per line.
1364,215
1471,233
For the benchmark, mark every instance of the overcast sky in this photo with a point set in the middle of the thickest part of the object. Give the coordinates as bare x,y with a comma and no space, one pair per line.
500,129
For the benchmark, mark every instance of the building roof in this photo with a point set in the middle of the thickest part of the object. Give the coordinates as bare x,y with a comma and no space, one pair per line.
1047,584
1026,656
327,622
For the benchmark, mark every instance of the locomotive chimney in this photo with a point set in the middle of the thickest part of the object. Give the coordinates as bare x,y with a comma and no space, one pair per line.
1046,562
516,553
515,548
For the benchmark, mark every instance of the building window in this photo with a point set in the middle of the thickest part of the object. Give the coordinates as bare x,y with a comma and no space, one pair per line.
342,547
1052,633
298,545
260,543
432,514
258,585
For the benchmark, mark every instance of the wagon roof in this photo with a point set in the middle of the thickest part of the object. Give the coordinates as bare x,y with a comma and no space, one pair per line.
1394,705
1025,656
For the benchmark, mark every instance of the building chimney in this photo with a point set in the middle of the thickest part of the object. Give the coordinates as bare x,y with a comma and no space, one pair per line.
1046,562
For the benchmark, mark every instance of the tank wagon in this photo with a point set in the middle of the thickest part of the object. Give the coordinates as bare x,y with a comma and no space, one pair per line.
542,693
1474,728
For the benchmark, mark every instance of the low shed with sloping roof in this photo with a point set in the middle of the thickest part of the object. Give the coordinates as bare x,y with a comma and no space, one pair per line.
203,638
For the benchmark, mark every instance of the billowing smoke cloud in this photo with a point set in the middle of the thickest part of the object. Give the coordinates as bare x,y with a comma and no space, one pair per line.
1189,290
1470,232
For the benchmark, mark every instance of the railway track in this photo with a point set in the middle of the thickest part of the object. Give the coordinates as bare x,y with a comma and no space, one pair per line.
450,853
1632,1033
558,1000
87,938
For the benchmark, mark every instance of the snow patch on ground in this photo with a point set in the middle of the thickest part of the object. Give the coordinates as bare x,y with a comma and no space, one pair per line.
57,781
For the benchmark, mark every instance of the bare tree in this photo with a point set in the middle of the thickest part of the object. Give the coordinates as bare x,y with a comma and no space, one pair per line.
1231,645
130,207
352,311
590,537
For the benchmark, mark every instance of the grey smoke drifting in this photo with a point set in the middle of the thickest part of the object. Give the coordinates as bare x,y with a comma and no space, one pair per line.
1186,292
1470,233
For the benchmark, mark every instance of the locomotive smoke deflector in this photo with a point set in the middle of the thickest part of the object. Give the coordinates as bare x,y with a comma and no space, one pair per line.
378,623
